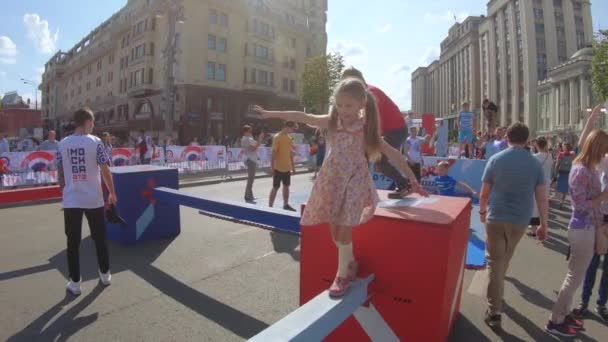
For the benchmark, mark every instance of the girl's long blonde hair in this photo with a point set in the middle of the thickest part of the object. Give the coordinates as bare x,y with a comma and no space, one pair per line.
593,150
357,90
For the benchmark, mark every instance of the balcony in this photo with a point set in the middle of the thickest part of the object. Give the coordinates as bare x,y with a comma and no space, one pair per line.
250,60
142,90
253,34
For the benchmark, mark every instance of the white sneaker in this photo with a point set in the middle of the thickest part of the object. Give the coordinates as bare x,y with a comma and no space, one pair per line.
106,278
73,287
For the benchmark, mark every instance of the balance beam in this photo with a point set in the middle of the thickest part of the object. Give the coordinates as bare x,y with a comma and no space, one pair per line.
241,212
317,318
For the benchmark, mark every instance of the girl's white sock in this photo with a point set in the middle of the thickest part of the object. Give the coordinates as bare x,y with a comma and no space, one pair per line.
345,256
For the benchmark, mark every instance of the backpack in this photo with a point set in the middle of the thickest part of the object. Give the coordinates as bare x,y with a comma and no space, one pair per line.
565,164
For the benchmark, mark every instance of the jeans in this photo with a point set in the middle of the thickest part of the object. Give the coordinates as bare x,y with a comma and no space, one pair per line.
395,138
73,231
251,168
501,240
590,281
581,253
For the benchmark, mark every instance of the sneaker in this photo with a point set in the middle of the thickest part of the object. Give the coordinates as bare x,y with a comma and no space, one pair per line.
73,287
105,278
603,312
560,329
339,287
493,321
580,312
573,322
353,267
288,207
399,193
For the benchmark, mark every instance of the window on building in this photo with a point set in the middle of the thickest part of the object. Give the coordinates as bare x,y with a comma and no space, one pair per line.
110,76
89,70
262,77
98,81
221,44
271,79
245,76
139,77
210,70
285,84
139,28
292,64
308,51
151,49
224,19
99,64
211,42
539,27
292,86
261,52
213,16
557,3
538,13
150,76
88,87
253,76
221,72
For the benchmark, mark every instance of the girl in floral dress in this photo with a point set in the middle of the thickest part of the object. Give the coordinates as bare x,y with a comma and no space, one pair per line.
344,194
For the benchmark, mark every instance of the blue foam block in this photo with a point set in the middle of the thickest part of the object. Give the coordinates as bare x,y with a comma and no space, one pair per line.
476,249
242,212
316,319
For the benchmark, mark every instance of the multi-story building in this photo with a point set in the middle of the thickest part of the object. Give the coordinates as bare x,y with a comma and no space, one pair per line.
565,95
520,41
17,118
441,87
192,67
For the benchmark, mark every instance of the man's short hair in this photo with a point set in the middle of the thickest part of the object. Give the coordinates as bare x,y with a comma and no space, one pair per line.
352,72
444,164
541,142
291,124
246,129
83,115
465,103
518,133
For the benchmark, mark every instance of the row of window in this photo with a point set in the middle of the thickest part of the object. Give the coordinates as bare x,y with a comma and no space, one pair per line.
216,71
218,18
214,43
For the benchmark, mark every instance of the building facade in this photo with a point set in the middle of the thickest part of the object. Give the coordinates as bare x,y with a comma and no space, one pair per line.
519,42
446,83
17,118
191,68
565,95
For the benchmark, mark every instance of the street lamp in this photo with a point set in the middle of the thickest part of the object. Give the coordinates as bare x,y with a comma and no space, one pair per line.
35,84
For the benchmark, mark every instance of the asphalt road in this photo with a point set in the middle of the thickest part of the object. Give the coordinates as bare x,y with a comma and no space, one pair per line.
221,281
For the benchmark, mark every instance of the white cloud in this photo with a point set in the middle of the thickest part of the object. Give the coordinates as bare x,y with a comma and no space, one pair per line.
385,28
402,67
347,49
448,16
8,50
431,54
38,32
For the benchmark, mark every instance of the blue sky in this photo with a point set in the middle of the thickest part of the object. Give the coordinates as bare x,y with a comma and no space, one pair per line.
386,39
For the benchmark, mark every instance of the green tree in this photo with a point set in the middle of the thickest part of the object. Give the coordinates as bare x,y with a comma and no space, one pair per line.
599,65
320,76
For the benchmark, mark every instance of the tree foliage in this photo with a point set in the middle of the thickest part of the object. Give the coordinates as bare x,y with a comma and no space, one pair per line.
599,65
320,76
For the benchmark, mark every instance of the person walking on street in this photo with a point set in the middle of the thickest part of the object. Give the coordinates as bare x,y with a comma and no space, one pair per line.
282,164
601,244
50,144
250,148
563,166
587,197
82,162
413,147
394,132
510,181
546,161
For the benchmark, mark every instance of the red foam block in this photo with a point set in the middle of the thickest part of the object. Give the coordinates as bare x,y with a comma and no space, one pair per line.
29,195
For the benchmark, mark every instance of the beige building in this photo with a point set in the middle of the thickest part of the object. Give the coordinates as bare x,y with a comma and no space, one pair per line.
187,67
520,41
565,95
441,87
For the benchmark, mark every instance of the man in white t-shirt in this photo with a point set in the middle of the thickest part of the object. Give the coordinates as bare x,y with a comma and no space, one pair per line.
82,161
250,148
413,146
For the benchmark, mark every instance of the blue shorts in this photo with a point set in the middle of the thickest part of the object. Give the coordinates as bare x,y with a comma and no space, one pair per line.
465,135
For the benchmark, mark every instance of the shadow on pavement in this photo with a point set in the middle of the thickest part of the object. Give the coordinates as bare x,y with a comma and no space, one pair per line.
63,327
531,295
137,259
286,243
464,330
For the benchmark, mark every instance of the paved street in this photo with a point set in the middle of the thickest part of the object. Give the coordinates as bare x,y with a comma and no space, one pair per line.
220,281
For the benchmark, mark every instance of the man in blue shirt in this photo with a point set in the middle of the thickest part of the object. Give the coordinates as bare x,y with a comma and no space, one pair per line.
510,181
465,124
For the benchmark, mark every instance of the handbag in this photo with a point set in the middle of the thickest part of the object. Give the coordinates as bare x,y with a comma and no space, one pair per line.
601,239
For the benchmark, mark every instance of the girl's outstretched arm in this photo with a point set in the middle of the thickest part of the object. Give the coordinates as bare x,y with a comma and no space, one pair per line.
396,158
319,121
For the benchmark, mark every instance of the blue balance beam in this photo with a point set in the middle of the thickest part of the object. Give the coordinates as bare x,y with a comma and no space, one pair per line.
242,212
316,319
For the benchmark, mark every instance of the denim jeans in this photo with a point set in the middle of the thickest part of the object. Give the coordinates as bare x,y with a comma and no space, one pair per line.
590,281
